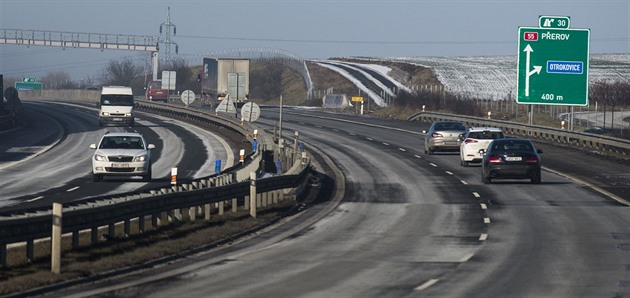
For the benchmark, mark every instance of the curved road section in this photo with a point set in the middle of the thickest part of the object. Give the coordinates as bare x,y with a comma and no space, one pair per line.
48,159
412,225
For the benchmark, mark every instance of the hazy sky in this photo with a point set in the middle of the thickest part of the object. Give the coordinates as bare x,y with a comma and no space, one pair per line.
308,28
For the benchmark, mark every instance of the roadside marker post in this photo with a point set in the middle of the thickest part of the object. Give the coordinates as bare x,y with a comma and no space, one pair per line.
173,176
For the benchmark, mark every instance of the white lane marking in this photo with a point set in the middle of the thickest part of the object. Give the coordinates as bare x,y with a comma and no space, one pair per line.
335,130
448,172
484,206
463,182
353,134
483,237
402,149
476,194
466,258
486,220
385,144
370,139
417,156
73,189
35,199
426,285
433,164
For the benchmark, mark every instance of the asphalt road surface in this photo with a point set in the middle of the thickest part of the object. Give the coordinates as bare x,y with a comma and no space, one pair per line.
413,225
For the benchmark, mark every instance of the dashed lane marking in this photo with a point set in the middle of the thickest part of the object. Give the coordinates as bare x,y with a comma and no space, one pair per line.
73,189
402,149
426,285
484,206
483,237
35,199
476,194
466,258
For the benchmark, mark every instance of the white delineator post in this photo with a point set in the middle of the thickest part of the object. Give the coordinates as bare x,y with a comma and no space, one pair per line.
55,254
252,194
173,176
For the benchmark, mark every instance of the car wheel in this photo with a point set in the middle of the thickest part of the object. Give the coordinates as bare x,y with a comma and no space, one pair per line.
485,179
536,179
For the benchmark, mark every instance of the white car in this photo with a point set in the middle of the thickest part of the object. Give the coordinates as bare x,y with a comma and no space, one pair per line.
477,138
122,154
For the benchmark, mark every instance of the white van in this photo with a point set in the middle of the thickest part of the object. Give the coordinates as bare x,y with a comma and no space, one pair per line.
116,106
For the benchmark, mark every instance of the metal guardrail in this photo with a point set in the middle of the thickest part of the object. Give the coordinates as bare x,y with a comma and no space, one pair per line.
605,144
92,213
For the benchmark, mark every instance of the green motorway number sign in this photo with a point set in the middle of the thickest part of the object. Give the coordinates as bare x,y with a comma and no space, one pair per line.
553,66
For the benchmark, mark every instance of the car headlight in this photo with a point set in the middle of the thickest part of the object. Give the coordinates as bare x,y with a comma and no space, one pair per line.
99,157
128,114
142,157
105,114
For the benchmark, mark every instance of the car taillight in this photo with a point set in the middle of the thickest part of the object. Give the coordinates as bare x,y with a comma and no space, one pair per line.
494,159
467,141
436,135
532,159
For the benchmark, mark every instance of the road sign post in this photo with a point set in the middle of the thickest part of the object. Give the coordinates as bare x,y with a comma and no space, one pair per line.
553,64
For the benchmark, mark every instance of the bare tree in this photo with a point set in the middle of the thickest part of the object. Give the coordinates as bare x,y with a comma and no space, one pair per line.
58,80
121,72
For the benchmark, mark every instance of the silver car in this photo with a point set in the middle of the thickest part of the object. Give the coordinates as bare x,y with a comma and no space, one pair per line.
444,136
122,154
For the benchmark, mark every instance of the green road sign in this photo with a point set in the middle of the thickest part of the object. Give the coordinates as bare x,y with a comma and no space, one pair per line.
554,22
28,86
553,66
28,80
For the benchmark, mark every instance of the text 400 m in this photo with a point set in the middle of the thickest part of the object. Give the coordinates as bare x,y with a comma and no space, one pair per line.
550,96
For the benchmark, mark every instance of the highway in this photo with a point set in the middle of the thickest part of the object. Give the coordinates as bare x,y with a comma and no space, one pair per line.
49,159
413,225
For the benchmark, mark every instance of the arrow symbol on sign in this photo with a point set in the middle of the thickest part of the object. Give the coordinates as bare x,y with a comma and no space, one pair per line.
536,70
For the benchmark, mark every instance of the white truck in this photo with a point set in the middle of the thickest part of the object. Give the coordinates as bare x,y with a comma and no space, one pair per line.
223,76
116,106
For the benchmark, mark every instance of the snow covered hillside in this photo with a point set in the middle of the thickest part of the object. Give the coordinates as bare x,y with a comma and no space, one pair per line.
494,77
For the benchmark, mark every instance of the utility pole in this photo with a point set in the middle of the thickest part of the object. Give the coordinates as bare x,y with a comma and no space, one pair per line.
167,42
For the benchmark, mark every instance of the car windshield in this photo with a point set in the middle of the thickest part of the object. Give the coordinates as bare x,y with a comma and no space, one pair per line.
485,135
450,126
117,100
121,142
155,85
512,146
